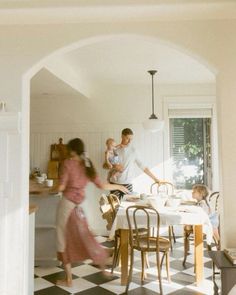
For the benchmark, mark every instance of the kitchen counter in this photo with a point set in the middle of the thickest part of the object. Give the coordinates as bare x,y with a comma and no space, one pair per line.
32,208
41,189
45,200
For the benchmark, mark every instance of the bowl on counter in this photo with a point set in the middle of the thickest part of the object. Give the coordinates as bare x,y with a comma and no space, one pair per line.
39,179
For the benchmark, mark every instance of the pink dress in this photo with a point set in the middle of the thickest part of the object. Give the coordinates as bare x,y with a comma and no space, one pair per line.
80,244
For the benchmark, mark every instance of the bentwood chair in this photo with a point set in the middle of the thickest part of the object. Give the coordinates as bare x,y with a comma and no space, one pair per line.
109,206
213,201
107,212
115,203
214,204
167,189
144,241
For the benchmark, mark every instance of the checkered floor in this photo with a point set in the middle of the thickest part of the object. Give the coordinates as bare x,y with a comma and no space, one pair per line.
88,280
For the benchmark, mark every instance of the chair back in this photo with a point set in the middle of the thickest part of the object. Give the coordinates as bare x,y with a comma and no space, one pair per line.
114,202
214,201
107,211
140,227
166,188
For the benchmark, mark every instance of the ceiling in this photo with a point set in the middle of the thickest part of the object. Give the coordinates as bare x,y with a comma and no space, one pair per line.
46,84
126,60
123,60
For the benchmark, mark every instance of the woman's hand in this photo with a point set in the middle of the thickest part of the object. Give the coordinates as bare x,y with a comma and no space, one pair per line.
163,182
122,188
113,187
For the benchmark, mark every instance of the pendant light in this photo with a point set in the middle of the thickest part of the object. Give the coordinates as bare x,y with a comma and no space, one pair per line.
153,124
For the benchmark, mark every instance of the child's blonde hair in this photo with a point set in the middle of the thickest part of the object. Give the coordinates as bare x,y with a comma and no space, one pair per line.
201,189
109,140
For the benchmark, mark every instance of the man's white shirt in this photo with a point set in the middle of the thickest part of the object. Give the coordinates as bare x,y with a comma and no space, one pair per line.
128,158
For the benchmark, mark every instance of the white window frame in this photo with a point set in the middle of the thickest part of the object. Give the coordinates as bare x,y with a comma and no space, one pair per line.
191,107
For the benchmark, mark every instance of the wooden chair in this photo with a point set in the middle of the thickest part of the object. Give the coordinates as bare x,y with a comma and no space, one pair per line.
145,242
214,204
108,206
106,210
166,188
114,201
213,201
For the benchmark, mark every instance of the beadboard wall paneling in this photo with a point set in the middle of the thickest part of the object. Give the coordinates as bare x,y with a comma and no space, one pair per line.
149,147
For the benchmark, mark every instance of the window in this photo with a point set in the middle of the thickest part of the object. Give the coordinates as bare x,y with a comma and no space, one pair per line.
190,151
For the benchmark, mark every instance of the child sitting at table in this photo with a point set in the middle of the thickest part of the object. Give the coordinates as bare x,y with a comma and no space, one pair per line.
200,193
111,159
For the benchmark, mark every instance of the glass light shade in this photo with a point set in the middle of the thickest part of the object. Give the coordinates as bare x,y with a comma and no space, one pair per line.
153,125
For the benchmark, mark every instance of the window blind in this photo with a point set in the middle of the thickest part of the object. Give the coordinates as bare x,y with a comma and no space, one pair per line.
190,113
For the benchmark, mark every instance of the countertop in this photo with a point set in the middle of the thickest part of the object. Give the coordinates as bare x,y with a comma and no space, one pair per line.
40,189
32,208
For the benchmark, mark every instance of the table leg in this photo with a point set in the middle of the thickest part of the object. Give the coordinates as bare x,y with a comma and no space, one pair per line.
124,253
198,253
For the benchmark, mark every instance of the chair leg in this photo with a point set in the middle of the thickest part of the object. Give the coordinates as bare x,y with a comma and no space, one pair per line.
116,254
170,237
168,266
143,256
173,233
146,260
186,247
162,259
130,270
217,243
159,271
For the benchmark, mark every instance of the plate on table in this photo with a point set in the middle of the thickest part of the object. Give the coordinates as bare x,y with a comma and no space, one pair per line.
131,198
189,202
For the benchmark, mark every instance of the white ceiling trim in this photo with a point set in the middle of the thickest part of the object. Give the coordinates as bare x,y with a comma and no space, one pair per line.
116,13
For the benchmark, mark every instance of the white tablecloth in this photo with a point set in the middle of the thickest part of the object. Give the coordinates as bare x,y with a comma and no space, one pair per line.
185,215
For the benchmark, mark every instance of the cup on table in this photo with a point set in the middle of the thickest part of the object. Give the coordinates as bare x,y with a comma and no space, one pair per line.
49,182
40,179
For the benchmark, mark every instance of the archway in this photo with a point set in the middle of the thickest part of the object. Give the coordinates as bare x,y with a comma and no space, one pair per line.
30,73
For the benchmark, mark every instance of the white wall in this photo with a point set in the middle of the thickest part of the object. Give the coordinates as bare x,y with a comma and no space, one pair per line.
22,47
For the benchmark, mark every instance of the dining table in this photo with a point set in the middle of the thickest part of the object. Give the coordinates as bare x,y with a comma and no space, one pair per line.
178,215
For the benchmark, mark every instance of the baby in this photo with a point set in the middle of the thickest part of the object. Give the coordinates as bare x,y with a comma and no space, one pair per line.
200,193
112,159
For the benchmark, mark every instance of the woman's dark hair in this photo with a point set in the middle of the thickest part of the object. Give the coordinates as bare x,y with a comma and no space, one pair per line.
76,145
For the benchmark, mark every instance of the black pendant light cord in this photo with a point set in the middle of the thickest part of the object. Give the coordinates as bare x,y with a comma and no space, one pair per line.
153,116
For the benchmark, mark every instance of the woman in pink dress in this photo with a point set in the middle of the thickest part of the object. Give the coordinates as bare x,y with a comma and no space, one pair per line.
75,242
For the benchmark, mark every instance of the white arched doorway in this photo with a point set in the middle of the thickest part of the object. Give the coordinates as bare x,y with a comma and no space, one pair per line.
26,94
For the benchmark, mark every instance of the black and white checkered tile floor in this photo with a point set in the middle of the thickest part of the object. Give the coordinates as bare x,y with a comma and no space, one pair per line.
88,280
